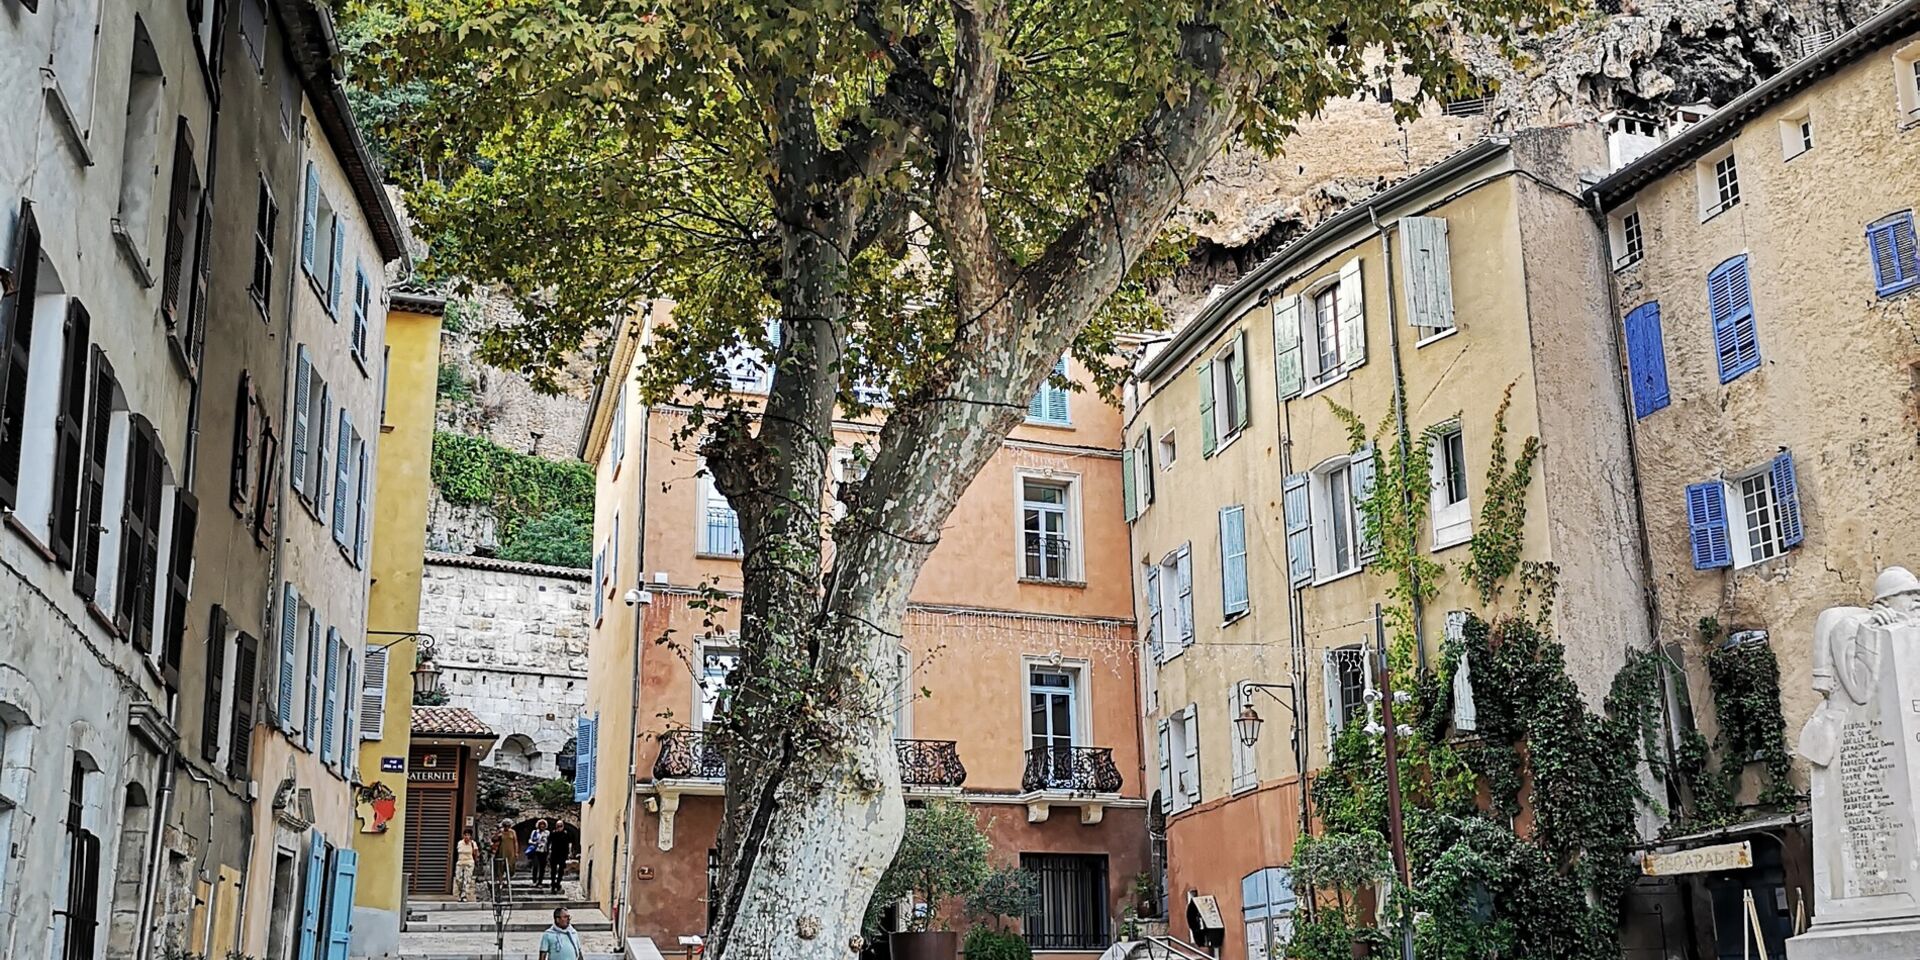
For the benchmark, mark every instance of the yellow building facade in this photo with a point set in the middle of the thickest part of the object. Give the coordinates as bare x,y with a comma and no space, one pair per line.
404,478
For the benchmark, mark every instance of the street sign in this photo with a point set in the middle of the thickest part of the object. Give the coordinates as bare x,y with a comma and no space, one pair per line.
1725,856
393,764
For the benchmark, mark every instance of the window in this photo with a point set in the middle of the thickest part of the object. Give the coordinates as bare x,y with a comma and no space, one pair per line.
265,222
1266,905
717,663
849,468
618,429
1168,450
93,478
77,923
1246,770
1047,530
1452,514
1049,405
1646,360
1322,334
719,524
253,31
1170,604
182,227
1428,269
139,147
76,41
1223,396
1136,475
321,241
1180,758
1053,710
1718,179
1629,243
1895,256
1796,135
138,558
1345,683
1069,911
1234,599
362,306
1906,79
312,408
1736,341
750,369
1339,487
1745,519
16,353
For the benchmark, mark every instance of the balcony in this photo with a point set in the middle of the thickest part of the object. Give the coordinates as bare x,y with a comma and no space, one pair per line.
689,755
930,767
1075,776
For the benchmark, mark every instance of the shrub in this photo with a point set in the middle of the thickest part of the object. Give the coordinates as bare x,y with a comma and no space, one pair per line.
560,539
554,793
984,943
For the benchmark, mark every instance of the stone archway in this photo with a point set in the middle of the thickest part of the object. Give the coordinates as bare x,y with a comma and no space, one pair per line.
515,754
129,880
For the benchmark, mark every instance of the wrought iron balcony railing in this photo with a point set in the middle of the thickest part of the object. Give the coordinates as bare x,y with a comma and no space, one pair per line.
1075,769
689,755
930,763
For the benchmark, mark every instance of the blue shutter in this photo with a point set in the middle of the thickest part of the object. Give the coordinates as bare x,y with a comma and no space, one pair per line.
1360,486
1155,632
349,695
1647,360
1057,396
302,399
289,643
309,219
1299,529
360,311
333,271
332,703
1896,261
1730,300
309,730
1786,497
1128,488
1707,525
346,870
599,577
311,899
343,478
583,748
1233,560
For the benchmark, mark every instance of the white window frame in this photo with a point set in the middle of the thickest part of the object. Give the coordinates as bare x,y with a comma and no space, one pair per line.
847,469
715,651
1043,398
1182,729
1167,448
1452,519
1906,80
1316,328
1339,711
1715,198
708,500
1176,611
1074,569
1741,520
1080,686
1626,233
1142,475
750,369
1796,134
1324,517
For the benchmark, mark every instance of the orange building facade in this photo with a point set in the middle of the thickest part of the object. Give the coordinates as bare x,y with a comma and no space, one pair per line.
1023,694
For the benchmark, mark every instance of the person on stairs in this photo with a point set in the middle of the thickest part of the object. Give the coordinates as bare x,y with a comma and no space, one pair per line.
561,941
464,854
559,851
506,846
537,843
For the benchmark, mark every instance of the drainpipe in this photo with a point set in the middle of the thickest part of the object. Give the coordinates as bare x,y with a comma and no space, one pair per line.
1401,437
622,880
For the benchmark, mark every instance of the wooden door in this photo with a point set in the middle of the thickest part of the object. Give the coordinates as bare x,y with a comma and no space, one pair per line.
429,851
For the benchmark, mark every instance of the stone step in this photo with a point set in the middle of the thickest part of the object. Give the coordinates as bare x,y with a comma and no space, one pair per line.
419,907
519,920
520,945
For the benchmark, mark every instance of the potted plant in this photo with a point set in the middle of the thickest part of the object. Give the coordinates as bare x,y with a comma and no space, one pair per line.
942,857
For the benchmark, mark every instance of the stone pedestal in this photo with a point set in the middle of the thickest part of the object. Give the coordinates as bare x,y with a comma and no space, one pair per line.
1865,846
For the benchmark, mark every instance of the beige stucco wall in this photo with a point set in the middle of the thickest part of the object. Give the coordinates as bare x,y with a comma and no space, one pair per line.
1836,383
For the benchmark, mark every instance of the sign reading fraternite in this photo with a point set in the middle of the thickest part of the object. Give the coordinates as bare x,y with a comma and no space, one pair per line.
1724,856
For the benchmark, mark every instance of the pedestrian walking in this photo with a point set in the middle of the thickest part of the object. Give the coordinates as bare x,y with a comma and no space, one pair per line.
561,941
465,853
559,851
537,843
506,845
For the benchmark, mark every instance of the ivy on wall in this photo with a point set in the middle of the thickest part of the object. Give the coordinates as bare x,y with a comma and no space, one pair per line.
543,508
1494,552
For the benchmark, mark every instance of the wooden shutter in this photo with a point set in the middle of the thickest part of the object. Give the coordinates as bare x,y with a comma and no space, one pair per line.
1786,500
1296,496
246,415
1330,692
302,397
429,841
289,650
139,536
69,433
177,223
346,869
213,683
311,902
1166,767
373,695
1730,300
316,650
1242,415
93,478
196,334
1208,436
1155,631
1143,461
309,219
343,477
1707,525
330,706
333,270
1233,560
1183,567
1647,359
1128,488
1891,247
1289,377
16,341
360,312
320,419
1245,775
1427,266
1353,316
267,496
1360,486
363,508
246,670
186,516
585,750
349,703
1192,768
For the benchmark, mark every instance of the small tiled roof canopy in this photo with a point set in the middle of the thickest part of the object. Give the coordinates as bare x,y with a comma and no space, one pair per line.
449,722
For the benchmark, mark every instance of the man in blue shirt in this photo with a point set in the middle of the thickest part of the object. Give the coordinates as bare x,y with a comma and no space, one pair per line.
561,941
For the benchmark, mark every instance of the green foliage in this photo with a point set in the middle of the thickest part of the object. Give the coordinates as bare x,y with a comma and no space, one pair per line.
942,855
1006,892
1394,514
461,314
1495,549
563,538
493,798
452,386
986,943
430,698
553,794
543,507
1745,677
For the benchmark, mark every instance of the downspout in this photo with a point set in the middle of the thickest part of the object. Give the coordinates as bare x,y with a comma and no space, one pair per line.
627,828
1402,434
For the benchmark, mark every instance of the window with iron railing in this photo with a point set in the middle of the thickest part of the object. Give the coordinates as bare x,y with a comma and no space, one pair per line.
1046,531
1070,910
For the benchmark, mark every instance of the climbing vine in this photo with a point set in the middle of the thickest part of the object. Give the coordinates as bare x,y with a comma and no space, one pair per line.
1745,677
1494,552
543,508
1393,515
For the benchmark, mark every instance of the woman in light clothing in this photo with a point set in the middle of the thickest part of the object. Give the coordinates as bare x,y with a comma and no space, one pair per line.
464,854
507,847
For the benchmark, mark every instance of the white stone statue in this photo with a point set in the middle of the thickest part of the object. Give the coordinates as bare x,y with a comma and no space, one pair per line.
1847,657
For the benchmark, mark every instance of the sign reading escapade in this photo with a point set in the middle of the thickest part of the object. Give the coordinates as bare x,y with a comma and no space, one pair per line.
1725,856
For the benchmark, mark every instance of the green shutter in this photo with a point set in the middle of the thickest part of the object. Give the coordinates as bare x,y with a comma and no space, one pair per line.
1286,347
1207,438
1127,488
1240,383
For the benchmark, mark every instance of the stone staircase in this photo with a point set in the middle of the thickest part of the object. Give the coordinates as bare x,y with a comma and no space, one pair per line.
449,930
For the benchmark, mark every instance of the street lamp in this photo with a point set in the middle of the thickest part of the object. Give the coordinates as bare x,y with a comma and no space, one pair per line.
1247,725
426,673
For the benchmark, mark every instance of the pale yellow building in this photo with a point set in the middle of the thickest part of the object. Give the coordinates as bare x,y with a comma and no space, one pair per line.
404,481
1475,283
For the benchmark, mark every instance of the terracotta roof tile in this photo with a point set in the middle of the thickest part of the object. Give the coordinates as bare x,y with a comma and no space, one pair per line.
448,722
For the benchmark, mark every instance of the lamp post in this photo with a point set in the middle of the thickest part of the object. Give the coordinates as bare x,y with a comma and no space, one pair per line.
426,673
1396,823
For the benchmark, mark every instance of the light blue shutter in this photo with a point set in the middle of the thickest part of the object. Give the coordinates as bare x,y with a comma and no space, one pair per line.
363,508
310,904
1428,270
1786,497
1037,407
349,695
1646,359
1155,631
309,219
583,751
1730,300
1057,396
359,311
1208,441
316,647
1183,567
343,477
1353,317
333,272
331,705
1287,375
599,577
289,643
1360,484
346,870
317,430
302,396
1707,526
1233,560
1295,497
1128,489
1166,768
1243,414
1891,247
